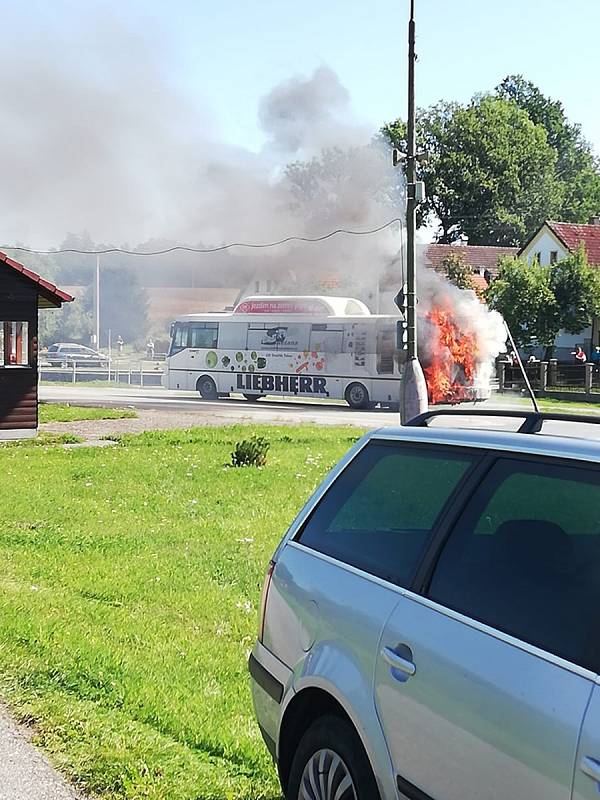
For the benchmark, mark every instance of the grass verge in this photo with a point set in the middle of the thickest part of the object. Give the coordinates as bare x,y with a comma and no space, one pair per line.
129,585
63,412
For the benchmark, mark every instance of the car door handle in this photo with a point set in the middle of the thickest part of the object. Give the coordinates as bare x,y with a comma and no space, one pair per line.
590,767
402,663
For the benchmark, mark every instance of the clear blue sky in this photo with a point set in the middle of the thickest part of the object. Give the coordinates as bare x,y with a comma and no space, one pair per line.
232,51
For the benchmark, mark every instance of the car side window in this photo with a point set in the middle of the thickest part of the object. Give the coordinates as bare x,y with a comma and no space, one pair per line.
380,512
525,557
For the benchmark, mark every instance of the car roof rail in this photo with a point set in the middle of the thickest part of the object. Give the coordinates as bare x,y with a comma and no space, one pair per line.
532,420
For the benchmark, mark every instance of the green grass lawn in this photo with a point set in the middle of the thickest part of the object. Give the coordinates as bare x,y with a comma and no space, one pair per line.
549,404
129,584
63,412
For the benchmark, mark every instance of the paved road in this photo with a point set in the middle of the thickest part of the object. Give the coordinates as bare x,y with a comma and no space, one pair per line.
228,409
268,410
24,772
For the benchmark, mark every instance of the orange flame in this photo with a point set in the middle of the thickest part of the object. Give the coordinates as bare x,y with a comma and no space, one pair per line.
451,368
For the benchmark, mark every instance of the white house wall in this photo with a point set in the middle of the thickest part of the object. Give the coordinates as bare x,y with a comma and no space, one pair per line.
544,244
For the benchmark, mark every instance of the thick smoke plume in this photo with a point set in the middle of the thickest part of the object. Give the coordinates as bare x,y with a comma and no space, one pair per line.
96,136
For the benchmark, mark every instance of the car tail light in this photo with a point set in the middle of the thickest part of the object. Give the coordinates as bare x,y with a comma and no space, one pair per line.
263,600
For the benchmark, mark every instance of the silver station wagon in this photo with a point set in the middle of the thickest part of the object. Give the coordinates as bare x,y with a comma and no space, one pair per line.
430,623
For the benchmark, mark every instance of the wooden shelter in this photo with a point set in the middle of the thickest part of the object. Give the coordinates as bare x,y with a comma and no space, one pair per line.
22,293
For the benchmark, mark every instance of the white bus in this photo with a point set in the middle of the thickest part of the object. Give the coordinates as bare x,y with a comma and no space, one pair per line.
324,347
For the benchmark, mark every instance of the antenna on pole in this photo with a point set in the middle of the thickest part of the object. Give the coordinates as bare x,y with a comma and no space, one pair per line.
413,389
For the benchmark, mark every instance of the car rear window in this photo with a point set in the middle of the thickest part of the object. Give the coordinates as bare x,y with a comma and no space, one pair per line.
525,557
380,512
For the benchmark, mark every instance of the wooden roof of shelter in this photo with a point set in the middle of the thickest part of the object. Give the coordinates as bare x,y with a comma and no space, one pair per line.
49,295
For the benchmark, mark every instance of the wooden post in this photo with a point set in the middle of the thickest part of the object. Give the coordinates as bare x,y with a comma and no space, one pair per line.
543,376
553,372
588,378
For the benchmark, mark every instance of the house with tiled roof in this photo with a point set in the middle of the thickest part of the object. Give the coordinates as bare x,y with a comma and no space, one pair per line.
22,293
482,260
553,241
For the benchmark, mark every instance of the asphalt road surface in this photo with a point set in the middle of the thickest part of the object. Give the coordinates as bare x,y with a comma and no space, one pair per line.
269,410
24,772
233,409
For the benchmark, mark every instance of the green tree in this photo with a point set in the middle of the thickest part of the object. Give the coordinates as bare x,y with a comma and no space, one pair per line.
343,186
490,172
523,294
537,302
577,169
123,305
71,323
576,287
458,271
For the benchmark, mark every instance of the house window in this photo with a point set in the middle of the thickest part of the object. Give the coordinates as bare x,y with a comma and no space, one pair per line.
538,257
14,344
553,256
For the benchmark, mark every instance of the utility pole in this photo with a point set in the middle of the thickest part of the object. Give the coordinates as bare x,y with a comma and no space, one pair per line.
97,293
413,389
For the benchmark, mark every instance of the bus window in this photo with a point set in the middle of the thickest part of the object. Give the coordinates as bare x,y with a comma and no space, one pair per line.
179,340
386,347
232,335
325,340
204,334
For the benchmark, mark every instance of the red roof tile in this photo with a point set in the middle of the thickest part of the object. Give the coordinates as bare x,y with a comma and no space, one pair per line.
49,296
478,256
573,235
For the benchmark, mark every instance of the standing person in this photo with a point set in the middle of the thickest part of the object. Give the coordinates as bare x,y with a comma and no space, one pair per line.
580,356
150,348
596,356
120,344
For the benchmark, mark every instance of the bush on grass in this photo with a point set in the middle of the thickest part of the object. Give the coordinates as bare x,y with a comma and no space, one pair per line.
250,452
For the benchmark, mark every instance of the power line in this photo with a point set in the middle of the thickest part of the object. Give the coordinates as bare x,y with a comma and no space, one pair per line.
188,249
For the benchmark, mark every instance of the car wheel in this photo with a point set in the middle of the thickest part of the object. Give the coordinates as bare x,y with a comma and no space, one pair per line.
330,763
207,388
357,396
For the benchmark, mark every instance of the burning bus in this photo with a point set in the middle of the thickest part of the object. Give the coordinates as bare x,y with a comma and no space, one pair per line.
320,347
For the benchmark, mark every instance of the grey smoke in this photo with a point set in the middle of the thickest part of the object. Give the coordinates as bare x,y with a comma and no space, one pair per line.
305,113
95,136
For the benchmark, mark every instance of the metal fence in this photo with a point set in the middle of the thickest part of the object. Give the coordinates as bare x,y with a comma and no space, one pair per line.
120,371
550,377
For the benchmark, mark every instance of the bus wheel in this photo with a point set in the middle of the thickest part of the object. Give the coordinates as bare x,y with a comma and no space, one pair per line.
252,398
206,387
357,396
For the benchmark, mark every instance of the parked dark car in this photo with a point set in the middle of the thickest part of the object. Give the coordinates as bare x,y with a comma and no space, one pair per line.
67,353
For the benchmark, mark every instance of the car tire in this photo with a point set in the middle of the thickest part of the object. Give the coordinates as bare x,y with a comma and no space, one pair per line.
206,388
357,396
331,753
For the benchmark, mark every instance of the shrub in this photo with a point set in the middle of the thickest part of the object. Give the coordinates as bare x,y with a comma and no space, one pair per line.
250,452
